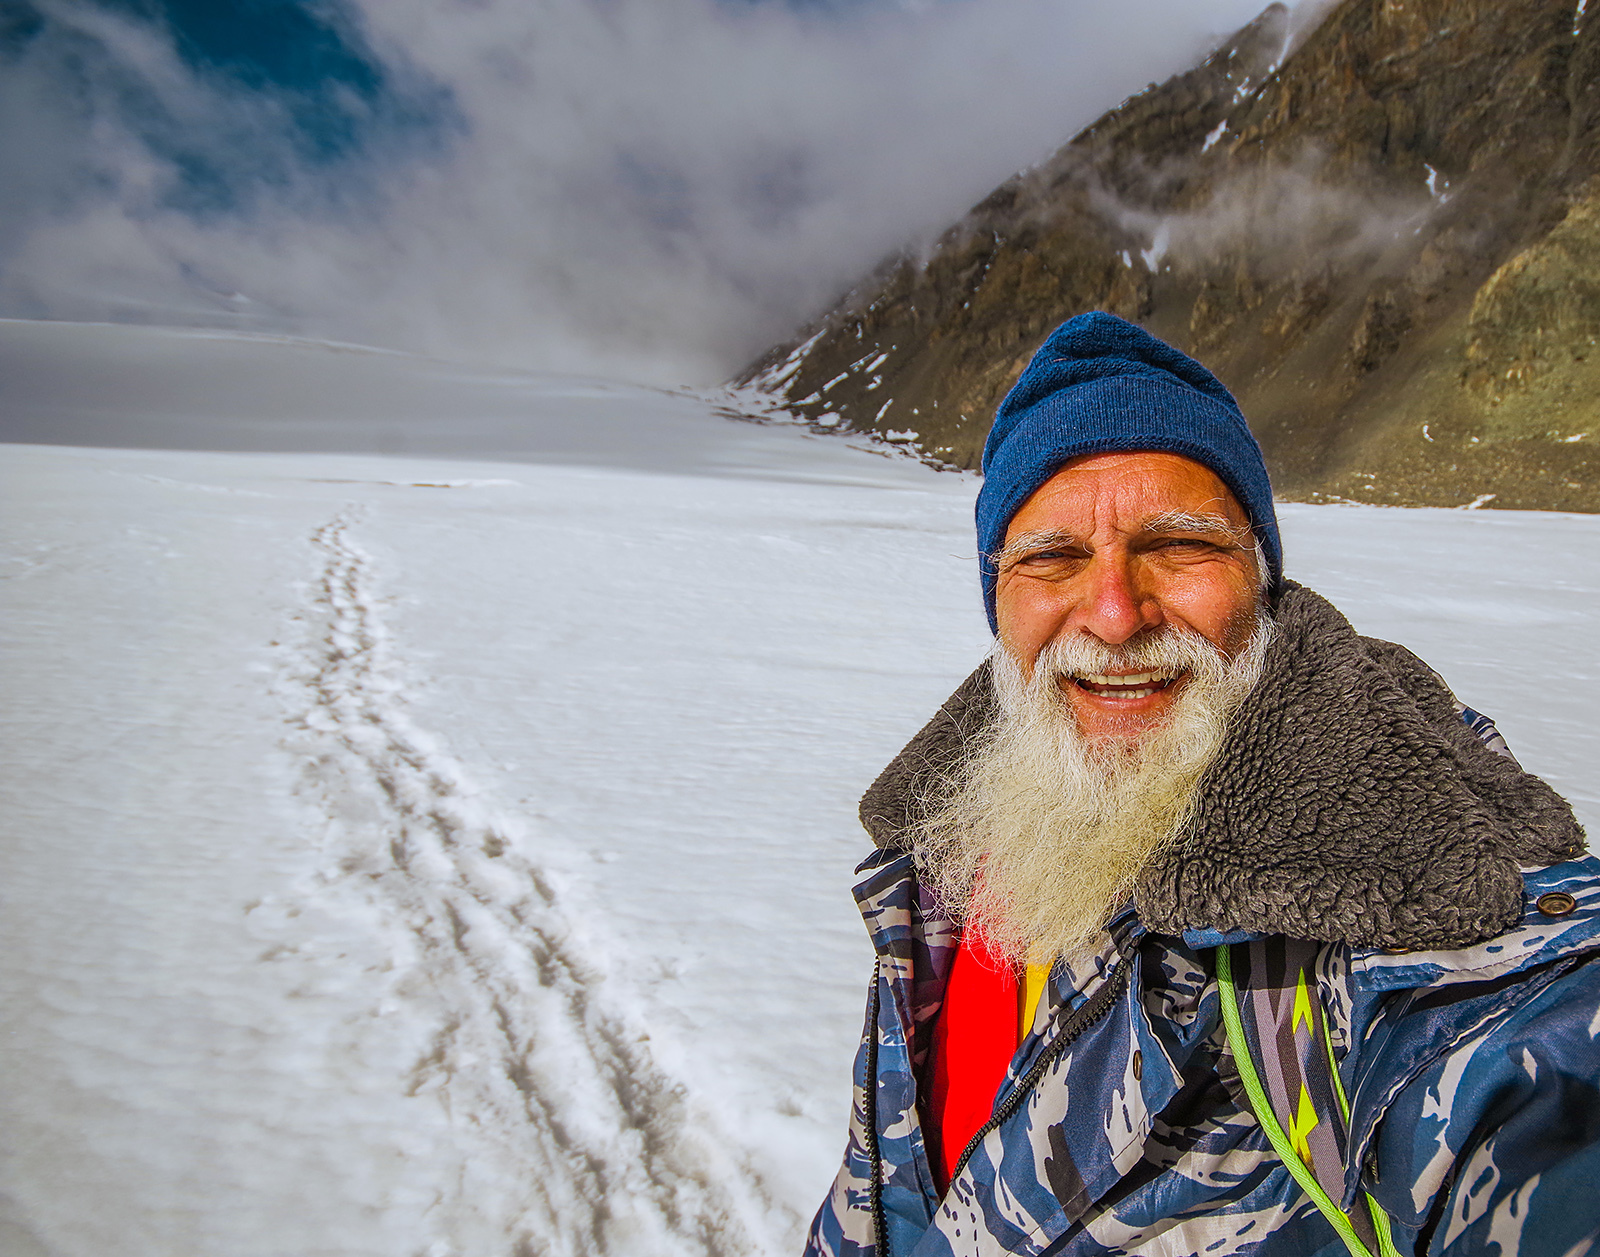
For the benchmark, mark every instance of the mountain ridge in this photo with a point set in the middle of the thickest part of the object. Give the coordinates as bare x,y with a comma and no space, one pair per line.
1385,239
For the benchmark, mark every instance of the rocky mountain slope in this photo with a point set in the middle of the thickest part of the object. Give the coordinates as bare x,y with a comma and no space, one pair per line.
1384,238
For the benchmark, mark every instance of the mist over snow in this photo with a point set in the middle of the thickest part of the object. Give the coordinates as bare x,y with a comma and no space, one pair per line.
655,189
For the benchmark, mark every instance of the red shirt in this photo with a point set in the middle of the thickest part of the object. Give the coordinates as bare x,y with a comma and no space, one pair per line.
974,1040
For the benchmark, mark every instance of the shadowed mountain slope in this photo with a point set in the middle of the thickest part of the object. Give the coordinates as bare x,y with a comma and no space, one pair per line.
1385,239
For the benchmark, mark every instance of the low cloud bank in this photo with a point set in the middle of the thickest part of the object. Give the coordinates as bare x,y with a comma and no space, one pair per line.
1282,218
650,188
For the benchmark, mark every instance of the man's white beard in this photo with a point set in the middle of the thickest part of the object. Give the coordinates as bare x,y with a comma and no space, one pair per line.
1047,830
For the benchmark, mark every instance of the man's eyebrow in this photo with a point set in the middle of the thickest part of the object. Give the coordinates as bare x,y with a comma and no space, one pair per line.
1191,522
1168,522
1023,544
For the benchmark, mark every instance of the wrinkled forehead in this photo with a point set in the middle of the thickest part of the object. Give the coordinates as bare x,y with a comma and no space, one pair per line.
1129,492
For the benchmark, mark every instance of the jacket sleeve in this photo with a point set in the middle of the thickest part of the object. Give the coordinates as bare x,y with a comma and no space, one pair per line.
844,1226
1526,1182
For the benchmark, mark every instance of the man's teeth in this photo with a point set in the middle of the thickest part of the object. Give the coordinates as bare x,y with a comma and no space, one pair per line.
1128,685
1129,678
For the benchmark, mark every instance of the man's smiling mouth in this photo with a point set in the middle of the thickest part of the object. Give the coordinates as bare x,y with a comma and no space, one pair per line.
1130,685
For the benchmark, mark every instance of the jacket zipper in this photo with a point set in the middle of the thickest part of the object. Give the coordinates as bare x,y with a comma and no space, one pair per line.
880,1244
1098,1005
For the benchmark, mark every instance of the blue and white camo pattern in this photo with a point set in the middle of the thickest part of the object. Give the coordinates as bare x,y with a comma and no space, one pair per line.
1473,1076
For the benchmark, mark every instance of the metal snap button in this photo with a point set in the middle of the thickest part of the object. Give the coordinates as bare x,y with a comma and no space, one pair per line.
1138,1065
1555,903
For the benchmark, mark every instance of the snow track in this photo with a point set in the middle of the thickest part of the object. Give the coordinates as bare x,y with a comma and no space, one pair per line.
572,1140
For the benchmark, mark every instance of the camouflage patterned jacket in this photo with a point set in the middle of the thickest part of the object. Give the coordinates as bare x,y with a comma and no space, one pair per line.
1454,917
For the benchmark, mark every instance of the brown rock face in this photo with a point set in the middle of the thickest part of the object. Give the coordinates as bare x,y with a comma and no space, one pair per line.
1386,243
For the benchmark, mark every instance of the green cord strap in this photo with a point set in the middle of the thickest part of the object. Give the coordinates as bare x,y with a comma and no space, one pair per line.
1233,1023
1380,1220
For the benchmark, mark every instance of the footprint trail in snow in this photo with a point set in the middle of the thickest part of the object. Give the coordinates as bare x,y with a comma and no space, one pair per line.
580,1142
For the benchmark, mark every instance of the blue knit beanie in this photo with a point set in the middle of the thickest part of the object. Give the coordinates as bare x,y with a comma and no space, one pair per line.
1100,384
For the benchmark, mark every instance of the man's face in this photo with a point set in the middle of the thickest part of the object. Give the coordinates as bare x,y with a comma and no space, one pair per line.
1116,545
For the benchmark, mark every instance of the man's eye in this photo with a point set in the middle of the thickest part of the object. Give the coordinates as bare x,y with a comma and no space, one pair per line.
1046,556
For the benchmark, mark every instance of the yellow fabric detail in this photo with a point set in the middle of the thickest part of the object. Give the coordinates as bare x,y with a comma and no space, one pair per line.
1033,984
1302,1006
1302,1124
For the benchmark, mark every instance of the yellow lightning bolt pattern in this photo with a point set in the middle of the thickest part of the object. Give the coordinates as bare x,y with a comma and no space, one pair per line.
1302,1005
1301,1126
1305,1120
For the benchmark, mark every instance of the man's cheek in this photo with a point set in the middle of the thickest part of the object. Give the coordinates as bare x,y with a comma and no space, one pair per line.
1029,619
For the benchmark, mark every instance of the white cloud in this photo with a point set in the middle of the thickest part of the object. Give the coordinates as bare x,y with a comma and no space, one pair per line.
655,188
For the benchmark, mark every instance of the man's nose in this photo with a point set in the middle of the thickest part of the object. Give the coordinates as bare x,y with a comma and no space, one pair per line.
1114,608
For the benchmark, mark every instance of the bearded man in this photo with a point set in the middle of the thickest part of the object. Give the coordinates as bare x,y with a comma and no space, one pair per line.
1205,925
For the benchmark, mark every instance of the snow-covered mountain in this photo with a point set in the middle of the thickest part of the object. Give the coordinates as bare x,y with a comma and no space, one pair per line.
417,854
1379,223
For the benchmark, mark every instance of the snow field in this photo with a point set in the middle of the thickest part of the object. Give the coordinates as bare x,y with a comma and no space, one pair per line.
411,856
490,877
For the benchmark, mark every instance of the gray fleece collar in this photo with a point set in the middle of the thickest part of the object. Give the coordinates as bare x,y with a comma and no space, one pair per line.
1348,802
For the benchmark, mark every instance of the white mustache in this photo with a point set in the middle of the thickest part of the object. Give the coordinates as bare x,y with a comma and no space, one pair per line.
1168,649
